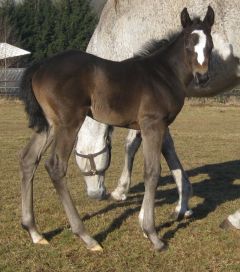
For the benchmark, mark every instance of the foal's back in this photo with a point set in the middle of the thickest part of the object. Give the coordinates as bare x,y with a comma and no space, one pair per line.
111,92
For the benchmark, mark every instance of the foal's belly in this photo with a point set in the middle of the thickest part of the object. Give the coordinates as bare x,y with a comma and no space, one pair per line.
120,117
115,105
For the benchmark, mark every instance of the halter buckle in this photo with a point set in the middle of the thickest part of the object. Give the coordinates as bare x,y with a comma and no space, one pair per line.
93,171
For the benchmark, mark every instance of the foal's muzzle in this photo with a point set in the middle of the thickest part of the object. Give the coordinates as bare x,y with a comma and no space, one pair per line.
201,79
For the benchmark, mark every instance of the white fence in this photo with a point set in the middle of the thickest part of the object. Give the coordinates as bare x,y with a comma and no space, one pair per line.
10,79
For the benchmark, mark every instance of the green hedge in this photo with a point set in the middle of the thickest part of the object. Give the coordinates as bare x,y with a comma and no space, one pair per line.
46,27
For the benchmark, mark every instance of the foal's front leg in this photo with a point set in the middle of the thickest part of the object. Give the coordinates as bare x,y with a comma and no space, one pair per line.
152,136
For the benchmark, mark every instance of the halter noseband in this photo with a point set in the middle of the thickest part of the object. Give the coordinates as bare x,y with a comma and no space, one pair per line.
93,171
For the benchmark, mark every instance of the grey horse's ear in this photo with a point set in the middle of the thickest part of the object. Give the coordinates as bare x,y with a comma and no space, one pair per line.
185,18
209,18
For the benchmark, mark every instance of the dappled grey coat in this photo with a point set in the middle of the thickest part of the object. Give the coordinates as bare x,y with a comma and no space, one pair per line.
126,25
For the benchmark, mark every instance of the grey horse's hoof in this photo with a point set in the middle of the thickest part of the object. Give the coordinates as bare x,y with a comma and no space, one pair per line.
226,225
179,216
118,196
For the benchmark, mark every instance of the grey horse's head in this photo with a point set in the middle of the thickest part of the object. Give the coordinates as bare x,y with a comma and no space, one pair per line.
93,156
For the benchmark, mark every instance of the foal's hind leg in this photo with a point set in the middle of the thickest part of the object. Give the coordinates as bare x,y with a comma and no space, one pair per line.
180,177
152,136
57,167
29,160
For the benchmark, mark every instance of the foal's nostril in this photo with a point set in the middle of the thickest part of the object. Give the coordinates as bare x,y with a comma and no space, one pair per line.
201,79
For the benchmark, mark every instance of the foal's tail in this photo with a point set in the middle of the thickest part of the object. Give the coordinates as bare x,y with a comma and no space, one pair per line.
34,111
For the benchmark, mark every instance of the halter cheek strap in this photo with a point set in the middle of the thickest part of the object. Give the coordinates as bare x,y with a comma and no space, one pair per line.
93,171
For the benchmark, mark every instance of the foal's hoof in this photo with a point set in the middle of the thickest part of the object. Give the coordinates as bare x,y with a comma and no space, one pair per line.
226,225
96,248
42,241
145,235
161,247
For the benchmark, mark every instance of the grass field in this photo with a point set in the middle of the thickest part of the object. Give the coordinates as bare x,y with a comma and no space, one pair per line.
207,139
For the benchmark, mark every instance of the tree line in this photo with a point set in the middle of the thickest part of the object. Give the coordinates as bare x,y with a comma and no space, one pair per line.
46,27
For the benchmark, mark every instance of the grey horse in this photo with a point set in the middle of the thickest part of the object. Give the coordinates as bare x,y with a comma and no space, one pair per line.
114,32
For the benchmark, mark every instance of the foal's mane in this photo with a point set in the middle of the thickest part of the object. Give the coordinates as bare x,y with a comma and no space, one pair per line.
152,46
155,45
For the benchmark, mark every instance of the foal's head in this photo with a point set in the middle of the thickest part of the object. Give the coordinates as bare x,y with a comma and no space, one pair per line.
198,44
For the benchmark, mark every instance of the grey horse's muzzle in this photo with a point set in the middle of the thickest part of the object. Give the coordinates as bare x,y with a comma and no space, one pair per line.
98,194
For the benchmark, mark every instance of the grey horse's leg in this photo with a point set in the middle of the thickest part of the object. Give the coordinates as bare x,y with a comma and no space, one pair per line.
232,221
133,141
56,166
180,177
152,136
29,160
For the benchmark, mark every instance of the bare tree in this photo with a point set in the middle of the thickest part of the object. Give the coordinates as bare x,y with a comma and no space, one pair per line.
7,36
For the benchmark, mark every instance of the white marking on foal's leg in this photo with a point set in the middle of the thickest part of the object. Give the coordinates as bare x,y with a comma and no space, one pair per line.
140,218
200,46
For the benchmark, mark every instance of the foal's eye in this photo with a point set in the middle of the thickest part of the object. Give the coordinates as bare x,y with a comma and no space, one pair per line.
191,42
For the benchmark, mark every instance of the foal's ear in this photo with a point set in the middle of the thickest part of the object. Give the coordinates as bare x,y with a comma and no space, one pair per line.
185,18
209,18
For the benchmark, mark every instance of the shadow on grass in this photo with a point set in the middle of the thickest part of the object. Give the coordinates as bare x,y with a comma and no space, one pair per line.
214,191
51,234
218,189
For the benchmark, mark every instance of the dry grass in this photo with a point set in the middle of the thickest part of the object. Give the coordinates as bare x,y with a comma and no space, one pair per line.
208,142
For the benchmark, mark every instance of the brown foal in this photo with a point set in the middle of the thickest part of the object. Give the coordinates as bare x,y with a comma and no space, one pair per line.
144,93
